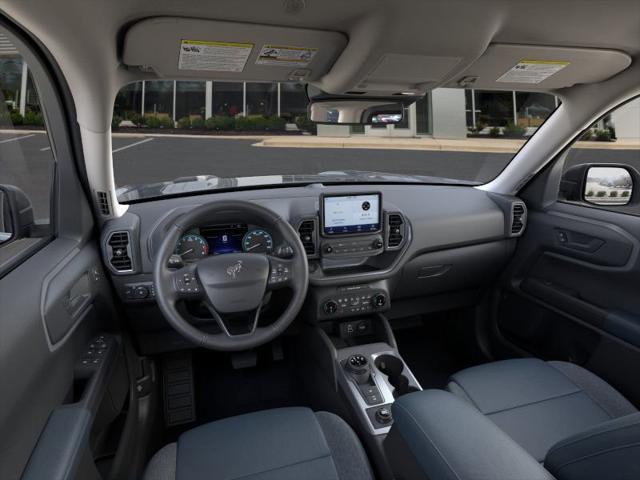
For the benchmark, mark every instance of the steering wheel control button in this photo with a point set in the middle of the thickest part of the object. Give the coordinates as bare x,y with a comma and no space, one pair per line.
187,284
279,274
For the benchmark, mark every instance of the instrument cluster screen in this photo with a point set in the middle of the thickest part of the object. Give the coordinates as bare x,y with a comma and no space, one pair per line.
351,214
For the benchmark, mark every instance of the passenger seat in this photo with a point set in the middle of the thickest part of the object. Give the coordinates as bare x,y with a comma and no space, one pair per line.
562,414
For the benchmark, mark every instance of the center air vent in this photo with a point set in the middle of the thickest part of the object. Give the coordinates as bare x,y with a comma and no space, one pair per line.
119,253
518,218
307,232
395,230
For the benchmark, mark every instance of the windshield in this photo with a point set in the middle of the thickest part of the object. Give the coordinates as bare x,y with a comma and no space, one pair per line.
178,137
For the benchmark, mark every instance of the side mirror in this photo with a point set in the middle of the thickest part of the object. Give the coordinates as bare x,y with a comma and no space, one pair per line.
16,214
603,185
608,186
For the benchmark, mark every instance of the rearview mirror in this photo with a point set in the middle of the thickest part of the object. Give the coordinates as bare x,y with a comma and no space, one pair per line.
359,112
608,186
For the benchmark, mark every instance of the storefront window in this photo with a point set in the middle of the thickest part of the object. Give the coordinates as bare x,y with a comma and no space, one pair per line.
494,109
423,116
32,101
262,99
227,99
10,79
534,108
128,102
158,98
293,100
190,99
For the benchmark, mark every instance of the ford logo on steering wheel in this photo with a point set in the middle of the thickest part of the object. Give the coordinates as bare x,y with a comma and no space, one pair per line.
234,270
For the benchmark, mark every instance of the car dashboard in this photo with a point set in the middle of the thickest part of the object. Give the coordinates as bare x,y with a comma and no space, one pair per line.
420,248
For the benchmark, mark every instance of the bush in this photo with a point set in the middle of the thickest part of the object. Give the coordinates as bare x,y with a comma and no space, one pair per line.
495,132
133,117
197,123
601,193
589,193
625,193
512,130
306,125
16,118
115,122
276,124
603,135
5,119
151,121
219,123
167,122
33,118
586,136
613,193
184,122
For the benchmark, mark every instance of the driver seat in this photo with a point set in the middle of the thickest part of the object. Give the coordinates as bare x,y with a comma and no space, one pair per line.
284,443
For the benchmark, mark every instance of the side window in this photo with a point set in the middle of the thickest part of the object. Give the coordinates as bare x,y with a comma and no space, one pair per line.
602,168
27,164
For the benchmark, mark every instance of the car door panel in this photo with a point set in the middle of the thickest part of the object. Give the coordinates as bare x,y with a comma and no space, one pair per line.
571,290
54,300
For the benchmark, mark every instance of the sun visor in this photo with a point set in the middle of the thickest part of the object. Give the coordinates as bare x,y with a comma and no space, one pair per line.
180,48
532,68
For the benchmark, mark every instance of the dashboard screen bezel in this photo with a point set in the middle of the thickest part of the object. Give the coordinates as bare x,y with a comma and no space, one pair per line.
350,234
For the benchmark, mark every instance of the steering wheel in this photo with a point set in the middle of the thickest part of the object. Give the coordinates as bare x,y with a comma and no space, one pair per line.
231,283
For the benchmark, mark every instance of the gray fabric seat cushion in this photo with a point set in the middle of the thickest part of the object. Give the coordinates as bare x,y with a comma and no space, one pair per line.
285,443
539,403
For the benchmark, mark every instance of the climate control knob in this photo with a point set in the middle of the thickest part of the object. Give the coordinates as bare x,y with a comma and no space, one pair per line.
330,307
378,244
379,300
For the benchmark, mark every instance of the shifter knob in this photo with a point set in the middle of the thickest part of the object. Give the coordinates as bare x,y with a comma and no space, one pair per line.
358,366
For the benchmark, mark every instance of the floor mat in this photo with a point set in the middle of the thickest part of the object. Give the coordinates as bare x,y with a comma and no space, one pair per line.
222,391
434,349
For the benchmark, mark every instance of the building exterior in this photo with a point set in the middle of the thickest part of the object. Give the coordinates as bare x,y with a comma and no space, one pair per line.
444,113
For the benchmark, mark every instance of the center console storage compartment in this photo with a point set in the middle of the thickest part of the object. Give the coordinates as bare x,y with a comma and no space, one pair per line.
438,436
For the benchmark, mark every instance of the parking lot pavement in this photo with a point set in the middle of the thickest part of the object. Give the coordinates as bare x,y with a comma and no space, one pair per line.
26,161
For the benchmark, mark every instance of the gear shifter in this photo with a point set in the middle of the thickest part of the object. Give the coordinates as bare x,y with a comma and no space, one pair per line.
358,366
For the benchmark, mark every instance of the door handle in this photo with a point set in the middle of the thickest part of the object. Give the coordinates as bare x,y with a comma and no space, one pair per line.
578,241
78,296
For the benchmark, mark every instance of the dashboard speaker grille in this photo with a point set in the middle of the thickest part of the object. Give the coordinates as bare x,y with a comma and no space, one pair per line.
518,213
119,255
396,230
307,232
103,203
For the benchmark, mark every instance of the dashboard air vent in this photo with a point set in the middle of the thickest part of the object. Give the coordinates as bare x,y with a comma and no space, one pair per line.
103,203
307,232
518,218
395,230
119,255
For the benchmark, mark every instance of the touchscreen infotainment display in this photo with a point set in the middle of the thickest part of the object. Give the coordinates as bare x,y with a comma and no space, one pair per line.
351,214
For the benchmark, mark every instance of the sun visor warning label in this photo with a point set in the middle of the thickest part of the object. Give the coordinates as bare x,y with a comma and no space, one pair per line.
285,56
214,56
532,71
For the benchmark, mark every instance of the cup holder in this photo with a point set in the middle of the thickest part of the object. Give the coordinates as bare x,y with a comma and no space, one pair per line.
393,367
